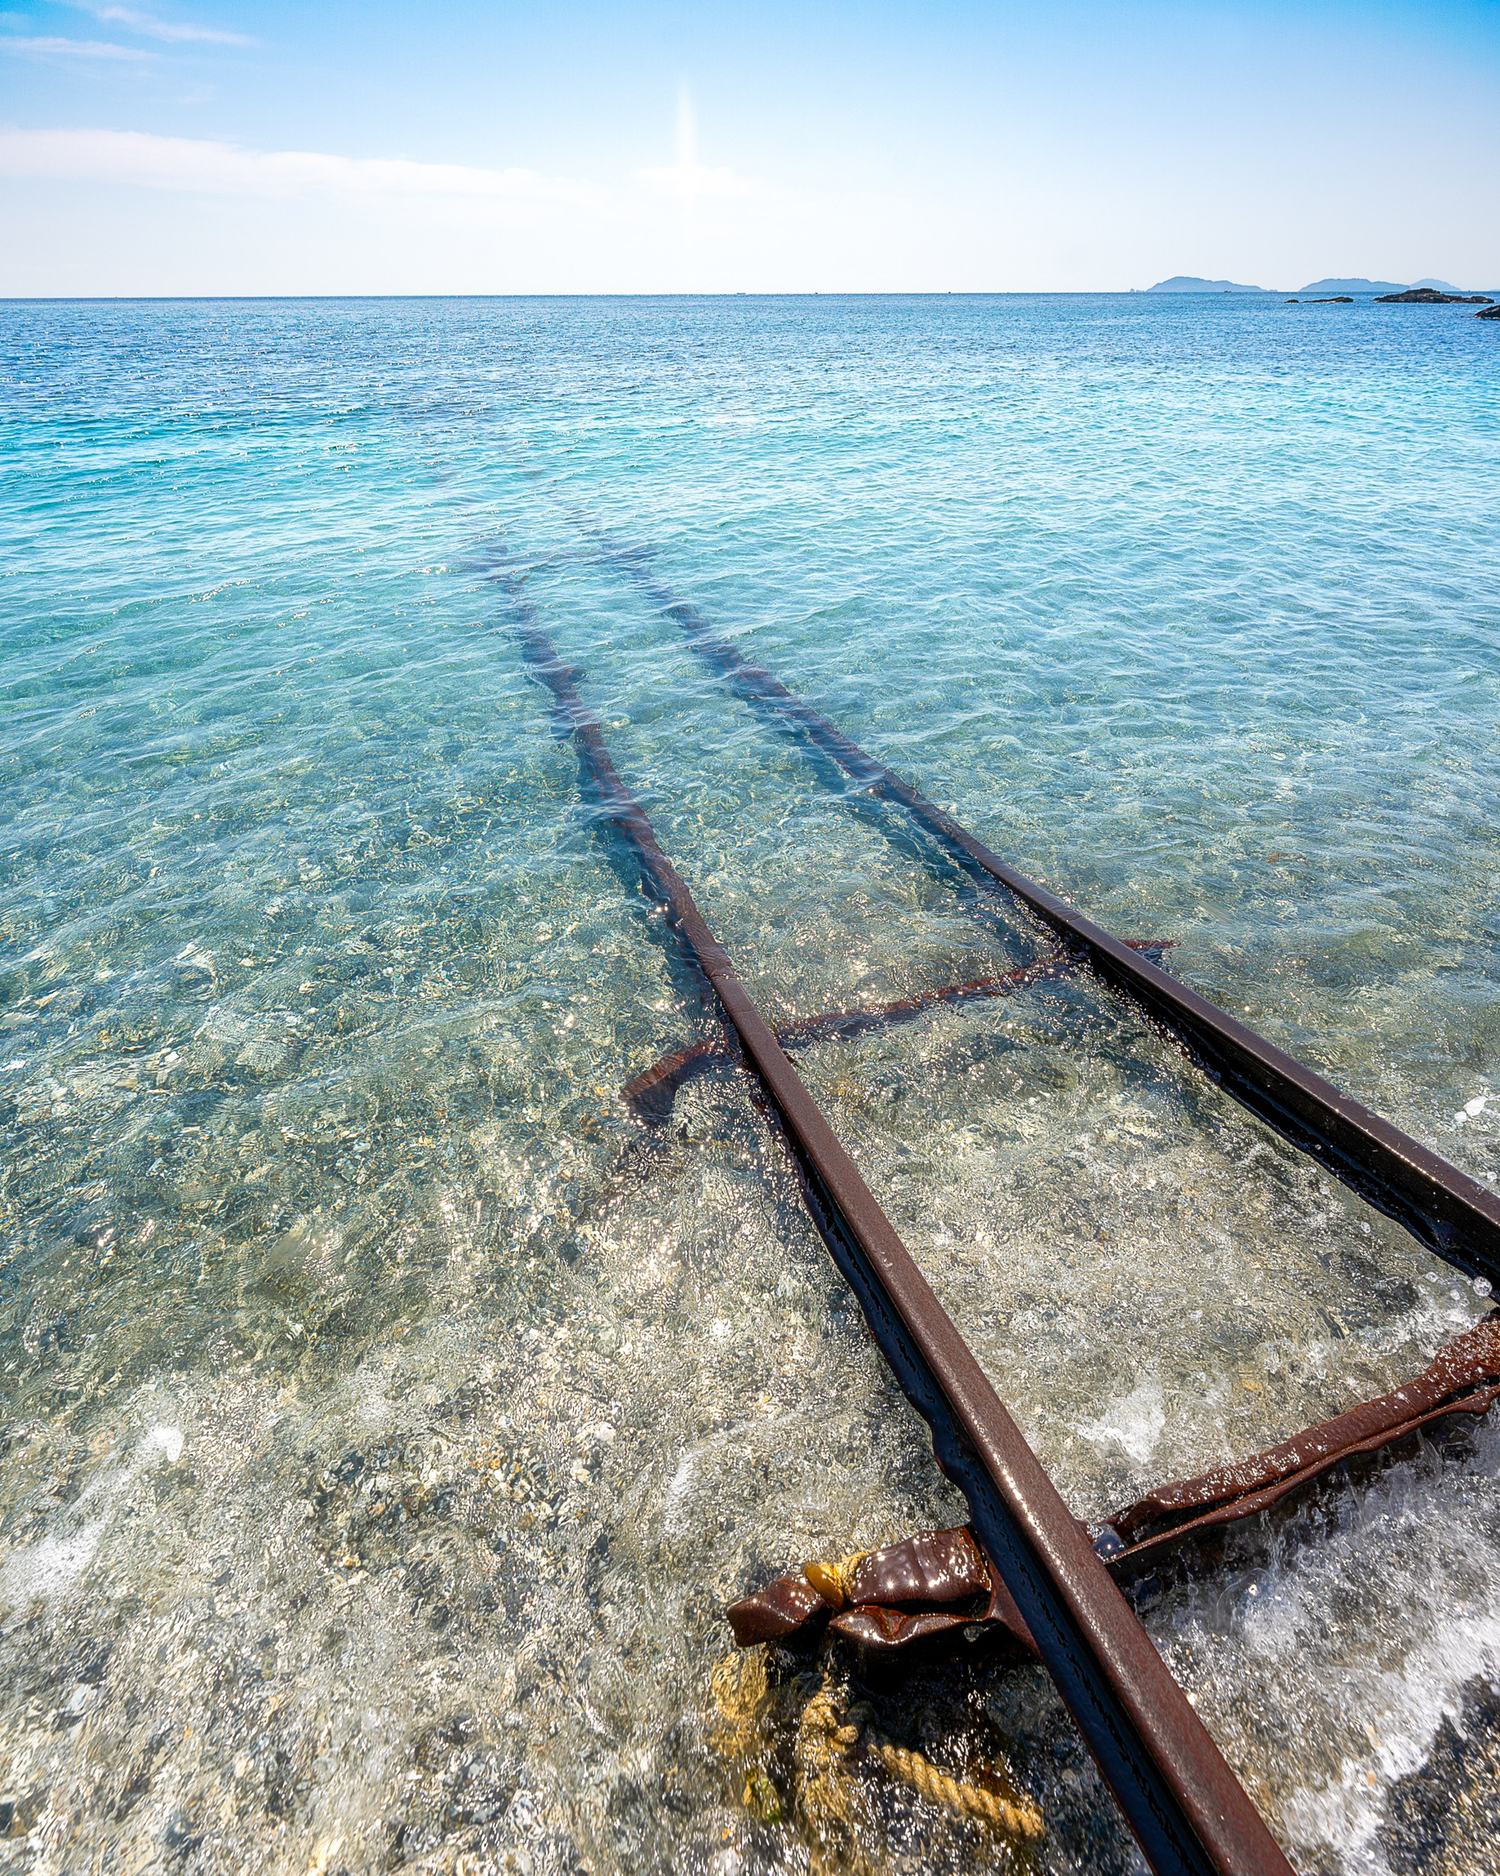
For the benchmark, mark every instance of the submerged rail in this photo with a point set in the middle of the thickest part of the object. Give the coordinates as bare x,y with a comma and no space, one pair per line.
650,1094
917,1596
1185,1806
1442,1207
1462,1380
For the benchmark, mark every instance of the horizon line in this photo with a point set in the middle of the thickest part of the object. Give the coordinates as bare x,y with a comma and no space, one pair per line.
728,293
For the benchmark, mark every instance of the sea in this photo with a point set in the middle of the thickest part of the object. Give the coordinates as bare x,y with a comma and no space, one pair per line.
387,1413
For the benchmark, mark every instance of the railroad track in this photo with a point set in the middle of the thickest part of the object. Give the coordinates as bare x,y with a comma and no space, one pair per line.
1188,1811
1181,1800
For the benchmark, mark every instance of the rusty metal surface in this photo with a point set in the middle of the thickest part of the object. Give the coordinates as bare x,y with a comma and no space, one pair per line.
1442,1207
932,1570
650,1094
891,1605
784,1610
1463,1379
894,1603
1187,1809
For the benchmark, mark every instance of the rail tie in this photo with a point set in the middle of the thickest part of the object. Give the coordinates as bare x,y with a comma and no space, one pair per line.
1442,1207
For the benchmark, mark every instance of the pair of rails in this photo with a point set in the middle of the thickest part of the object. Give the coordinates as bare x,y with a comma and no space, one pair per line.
1186,1808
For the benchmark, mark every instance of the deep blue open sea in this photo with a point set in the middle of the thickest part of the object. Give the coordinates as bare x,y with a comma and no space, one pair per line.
385,1415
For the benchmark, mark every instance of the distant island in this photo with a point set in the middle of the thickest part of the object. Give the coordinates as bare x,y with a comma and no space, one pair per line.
1364,286
1190,283
1193,283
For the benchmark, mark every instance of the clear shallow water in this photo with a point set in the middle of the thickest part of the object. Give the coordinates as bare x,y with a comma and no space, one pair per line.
387,1417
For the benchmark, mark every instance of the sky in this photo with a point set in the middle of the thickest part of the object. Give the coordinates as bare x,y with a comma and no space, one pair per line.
562,146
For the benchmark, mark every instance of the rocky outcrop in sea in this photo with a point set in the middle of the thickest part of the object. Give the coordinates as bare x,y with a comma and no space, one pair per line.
1429,296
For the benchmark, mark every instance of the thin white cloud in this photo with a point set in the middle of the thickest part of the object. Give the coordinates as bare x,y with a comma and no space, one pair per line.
173,31
184,164
690,182
69,49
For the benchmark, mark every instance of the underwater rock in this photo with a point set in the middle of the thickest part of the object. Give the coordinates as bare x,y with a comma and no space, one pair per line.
1438,1813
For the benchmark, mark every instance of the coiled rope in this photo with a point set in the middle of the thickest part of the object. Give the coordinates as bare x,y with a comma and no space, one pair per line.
825,1713
828,1732
1023,1821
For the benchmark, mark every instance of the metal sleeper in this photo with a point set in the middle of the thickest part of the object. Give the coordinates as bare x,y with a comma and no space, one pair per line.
1442,1207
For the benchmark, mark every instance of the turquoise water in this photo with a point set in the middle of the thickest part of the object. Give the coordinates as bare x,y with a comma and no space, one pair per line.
387,1416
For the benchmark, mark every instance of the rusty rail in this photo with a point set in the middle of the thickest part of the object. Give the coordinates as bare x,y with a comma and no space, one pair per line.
1463,1379
928,1590
1183,1803
919,1596
1442,1207
650,1094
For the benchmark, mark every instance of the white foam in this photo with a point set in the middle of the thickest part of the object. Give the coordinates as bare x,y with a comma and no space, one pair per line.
1134,1423
1357,1700
50,1567
1412,1702
675,1503
166,1440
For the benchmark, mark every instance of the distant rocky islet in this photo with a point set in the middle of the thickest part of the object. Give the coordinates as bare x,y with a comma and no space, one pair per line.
1429,296
1343,292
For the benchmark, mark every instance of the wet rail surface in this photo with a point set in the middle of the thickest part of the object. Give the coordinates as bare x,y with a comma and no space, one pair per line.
1462,1380
1184,1805
650,1094
915,1598
1442,1207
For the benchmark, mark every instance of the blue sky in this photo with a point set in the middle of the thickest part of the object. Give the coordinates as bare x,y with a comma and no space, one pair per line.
245,147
